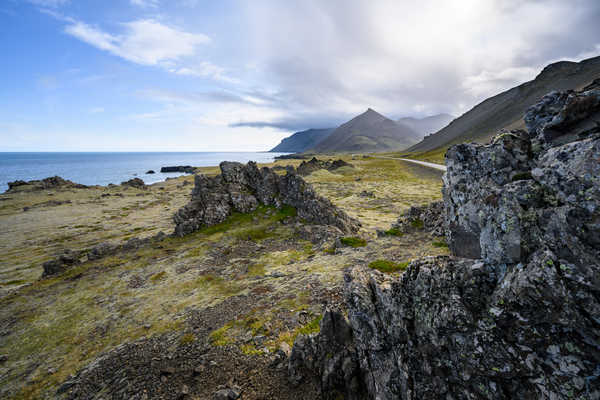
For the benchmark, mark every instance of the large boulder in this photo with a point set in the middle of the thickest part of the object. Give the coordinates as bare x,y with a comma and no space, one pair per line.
515,313
242,188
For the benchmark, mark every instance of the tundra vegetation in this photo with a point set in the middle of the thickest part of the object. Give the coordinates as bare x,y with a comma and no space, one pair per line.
258,283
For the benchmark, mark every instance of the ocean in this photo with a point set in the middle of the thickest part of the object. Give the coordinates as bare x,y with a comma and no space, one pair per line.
105,168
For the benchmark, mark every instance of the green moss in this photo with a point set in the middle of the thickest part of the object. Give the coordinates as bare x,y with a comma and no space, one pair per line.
394,232
220,337
329,250
353,241
254,234
439,243
187,338
312,327
158,277
250,350
256,270
417,223
388,266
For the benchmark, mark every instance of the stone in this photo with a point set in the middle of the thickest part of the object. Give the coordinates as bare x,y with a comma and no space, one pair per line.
150,172
227,394
53,182
242,188
102,250
179,168
514,313
429,218
308,167
135,182
63,262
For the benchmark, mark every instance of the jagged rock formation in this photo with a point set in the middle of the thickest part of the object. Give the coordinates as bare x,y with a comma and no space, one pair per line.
52,182
519,316
135,183
429,217
308,167
179,168
242,187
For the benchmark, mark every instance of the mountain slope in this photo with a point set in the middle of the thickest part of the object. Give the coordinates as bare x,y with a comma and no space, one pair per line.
302,141
427,125
506,109
370,131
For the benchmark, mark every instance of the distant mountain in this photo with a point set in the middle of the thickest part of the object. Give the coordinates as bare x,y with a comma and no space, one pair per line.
427,125
370,131
506,110
302,141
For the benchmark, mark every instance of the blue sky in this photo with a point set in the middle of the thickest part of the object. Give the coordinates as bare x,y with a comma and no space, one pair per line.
199,75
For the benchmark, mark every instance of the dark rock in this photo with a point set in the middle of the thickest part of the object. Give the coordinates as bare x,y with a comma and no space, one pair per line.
228,394
102,250
242,187
63,262
135,182
521,319
331,356
179,168
53,182
308,167
429,218
150,172
3,358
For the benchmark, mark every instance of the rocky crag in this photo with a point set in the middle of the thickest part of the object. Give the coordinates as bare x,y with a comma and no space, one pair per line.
308,167
515,313
241,188
52,182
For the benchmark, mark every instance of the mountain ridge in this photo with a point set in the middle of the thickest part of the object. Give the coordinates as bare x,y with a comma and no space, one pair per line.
506,109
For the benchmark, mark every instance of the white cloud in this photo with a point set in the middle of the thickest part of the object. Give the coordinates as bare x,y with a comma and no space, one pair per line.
145,41
145,3
205,70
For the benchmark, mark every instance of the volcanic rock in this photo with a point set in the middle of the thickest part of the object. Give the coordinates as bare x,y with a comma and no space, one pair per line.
135,182
179,168
519,317
243,187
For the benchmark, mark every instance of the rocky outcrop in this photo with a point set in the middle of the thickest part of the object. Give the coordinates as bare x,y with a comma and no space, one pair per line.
70,258
60,264
308,167
242,188
135,183
515,313
429,218
179,168
53,182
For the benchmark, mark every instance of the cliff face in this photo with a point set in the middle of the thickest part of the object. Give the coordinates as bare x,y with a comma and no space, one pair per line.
515,314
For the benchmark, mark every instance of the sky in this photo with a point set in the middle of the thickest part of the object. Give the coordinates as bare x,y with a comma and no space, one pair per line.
238,75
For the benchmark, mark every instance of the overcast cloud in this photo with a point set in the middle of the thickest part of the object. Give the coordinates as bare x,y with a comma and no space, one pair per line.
241,75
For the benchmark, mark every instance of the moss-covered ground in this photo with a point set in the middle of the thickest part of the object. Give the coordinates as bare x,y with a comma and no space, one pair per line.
51,328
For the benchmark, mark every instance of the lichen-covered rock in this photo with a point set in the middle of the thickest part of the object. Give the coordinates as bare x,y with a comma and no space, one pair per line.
308,167
429,218
332,356
52,182
135,182
517,314
60,264
243,187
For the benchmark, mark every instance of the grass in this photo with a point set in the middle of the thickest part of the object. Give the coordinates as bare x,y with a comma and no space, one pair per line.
187,338
439,244
388,266
417,223
353,241
158,277
394,232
